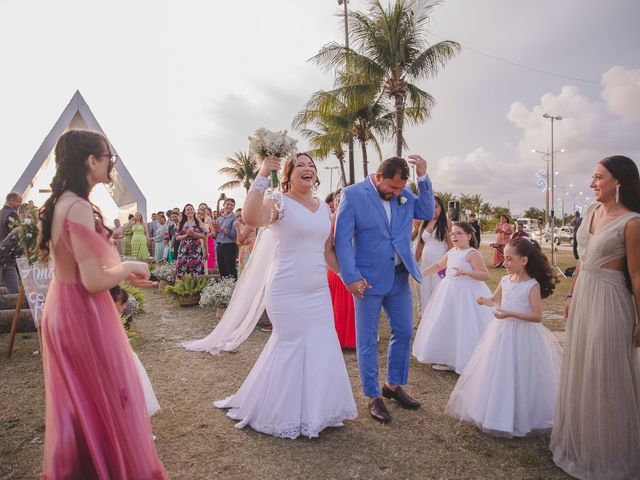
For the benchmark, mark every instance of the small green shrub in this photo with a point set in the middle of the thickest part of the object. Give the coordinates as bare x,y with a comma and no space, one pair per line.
187,286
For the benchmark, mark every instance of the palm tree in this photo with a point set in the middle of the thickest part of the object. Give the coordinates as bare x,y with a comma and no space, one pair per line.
391,52
327,126
242,169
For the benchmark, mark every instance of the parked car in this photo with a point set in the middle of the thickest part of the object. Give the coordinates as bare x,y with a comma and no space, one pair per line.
561,235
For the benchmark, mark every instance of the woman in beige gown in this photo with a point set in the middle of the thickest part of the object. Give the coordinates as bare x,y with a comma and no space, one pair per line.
596,433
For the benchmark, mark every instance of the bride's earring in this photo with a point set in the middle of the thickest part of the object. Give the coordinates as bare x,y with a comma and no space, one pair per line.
617,193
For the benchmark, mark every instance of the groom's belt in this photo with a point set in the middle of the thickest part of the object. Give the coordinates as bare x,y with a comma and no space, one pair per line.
400,268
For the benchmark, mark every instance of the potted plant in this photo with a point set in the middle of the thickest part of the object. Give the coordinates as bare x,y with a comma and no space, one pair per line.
217,295
187,290
165,274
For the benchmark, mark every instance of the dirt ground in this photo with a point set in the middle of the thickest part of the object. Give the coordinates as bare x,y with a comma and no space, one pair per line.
197,441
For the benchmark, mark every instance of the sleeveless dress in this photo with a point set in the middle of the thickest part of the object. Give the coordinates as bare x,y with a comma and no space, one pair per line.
432,251
299,384
452,322
510,383
190,256
96,423
596,433
139,247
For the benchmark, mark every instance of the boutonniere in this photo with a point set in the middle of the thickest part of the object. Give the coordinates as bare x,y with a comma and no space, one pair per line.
402,200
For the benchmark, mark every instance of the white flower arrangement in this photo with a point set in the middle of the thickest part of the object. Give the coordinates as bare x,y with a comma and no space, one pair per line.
265,143
218,294
166,272
402,200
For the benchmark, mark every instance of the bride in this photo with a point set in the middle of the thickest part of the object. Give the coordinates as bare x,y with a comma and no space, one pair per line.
299,384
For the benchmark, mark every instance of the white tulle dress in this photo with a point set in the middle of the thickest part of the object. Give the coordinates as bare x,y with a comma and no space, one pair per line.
299,384
453,322
510,384
150,399
432,251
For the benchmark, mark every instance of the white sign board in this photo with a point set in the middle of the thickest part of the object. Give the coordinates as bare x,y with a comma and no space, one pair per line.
36,279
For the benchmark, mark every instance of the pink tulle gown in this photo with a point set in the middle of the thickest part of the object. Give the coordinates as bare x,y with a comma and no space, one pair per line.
96,421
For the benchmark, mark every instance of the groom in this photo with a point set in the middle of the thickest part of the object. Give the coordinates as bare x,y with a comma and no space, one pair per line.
372,242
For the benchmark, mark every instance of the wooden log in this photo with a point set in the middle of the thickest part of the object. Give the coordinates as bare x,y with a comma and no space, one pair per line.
8,301
25,321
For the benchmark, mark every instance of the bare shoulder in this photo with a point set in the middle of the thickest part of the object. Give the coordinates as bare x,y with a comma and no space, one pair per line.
632,228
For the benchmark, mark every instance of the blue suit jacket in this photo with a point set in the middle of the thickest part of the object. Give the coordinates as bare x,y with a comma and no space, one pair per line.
365,242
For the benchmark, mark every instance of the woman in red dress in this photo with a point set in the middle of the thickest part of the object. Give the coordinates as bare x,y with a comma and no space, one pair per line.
96,422
343,306
504,231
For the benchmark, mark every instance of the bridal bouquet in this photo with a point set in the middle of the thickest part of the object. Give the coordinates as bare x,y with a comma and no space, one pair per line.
265,143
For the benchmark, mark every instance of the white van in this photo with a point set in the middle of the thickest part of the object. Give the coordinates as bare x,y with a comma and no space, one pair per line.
530,225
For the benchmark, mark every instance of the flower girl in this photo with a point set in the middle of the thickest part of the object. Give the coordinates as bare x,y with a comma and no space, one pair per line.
452,322
509,386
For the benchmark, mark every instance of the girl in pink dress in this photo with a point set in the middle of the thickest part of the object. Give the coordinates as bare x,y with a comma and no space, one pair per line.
96,423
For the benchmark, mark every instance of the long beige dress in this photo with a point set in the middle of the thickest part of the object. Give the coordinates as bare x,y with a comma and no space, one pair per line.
596,434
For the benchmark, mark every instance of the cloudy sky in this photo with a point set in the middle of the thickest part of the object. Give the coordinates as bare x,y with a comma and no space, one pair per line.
178,86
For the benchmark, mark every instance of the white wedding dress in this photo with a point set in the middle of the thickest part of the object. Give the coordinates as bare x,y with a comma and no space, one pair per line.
299,384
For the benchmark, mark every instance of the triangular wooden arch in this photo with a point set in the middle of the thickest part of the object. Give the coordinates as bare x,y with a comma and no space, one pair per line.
77,114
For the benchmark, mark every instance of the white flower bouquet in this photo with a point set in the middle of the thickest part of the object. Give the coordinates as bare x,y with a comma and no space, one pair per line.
218,294
265,143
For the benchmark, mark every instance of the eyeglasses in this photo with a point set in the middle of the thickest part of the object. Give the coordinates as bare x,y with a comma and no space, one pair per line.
113,159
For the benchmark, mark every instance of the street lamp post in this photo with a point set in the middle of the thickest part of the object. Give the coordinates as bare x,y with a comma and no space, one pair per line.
331,169
552,184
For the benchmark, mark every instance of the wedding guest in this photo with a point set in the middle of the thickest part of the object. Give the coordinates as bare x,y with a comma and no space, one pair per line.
473,220
246,238
344,309
504,231
434,240
127,229
151,232
8,215
330,200
509,386
224,229
96,423
596,433
152,225
520,233
201,215
190,232
173,229
211,243
118,235
159,239
139,238
452,323
575,224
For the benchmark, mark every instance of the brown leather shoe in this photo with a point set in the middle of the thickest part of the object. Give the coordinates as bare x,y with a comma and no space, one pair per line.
378,410
400,396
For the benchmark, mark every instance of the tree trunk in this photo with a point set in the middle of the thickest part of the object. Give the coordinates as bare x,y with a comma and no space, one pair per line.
399,105
365,162
343,175
352,172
